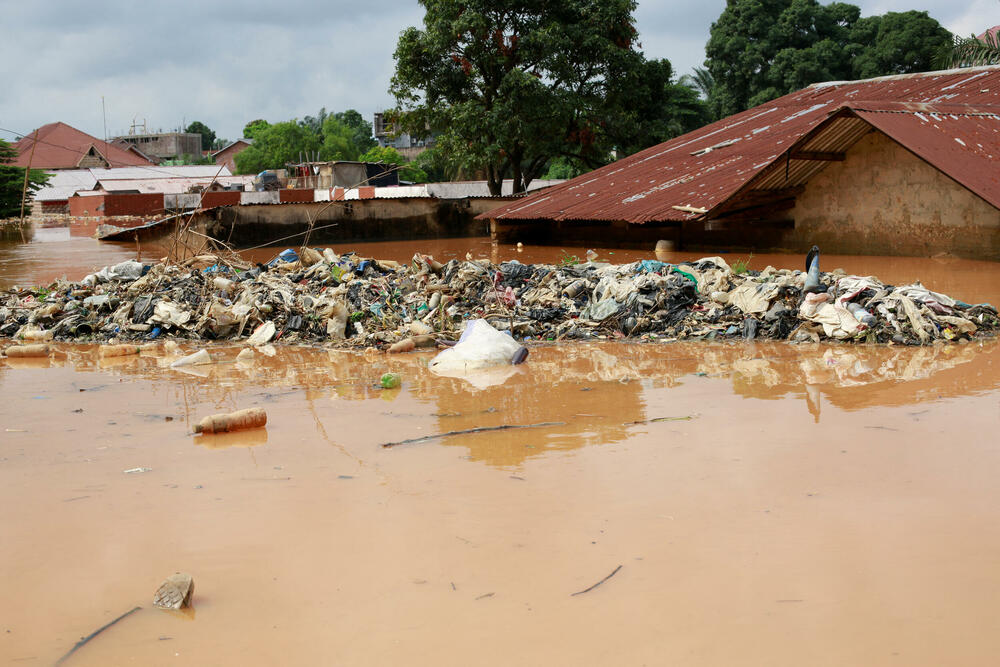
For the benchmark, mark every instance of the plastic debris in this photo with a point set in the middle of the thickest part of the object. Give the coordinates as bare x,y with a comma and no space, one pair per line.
27,351
262,334
390,380
319,296
232,421
197,359
480,346
175,592
117,350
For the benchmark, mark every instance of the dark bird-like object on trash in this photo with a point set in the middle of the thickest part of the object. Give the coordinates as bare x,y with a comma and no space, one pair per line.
812,272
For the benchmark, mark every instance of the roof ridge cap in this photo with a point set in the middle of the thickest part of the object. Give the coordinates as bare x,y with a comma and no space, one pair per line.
908,75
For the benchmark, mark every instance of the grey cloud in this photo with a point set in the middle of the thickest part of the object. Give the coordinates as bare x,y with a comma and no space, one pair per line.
229,63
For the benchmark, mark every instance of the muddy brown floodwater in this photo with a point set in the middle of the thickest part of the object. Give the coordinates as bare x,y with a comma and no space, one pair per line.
769,504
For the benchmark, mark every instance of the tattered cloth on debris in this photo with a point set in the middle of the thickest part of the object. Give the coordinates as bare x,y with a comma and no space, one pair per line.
350,301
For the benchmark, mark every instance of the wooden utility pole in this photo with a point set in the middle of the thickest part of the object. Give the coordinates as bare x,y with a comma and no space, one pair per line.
24,190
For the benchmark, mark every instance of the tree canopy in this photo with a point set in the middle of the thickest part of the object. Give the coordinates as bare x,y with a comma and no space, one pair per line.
346,135
251,129
762,49
12,182
275,146
509,85
408,171
343,135
207,135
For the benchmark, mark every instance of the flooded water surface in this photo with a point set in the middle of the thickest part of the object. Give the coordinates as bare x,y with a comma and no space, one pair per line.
754,503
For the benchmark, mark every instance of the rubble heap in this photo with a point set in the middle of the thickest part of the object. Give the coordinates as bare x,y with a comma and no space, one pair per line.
350,301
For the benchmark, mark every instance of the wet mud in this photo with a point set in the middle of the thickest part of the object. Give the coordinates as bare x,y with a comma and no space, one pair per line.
767,503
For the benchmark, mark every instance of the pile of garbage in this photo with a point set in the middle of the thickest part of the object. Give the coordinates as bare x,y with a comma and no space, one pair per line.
313,296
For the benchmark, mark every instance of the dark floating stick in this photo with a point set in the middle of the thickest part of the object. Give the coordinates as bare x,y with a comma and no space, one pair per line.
660,419
587,590
93,634
478,429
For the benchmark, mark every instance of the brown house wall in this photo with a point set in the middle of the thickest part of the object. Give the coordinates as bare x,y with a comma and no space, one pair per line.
228,156
883,200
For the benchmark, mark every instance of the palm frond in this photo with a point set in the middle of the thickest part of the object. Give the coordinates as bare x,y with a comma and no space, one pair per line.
970,51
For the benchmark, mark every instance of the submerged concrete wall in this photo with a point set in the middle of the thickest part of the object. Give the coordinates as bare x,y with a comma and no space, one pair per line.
353,220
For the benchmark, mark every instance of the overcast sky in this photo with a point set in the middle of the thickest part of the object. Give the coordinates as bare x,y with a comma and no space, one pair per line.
226,63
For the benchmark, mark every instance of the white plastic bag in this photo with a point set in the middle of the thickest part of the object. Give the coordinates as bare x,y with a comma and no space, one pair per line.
479,347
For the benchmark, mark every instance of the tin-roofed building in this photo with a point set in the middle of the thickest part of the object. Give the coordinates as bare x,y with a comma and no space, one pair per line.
897,165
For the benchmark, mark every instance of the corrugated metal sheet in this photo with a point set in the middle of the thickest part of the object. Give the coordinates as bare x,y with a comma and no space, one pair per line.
169,185
146,173
705,168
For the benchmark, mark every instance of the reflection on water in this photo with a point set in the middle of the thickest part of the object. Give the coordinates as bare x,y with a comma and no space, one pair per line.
597,391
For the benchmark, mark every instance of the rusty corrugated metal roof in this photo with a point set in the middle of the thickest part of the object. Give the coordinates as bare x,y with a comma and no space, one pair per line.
705,168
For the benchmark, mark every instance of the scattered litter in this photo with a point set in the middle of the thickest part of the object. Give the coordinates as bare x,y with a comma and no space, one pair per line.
117,350
27,351
175,592
134,471
479,346
199,358
390,380
233,421
349,301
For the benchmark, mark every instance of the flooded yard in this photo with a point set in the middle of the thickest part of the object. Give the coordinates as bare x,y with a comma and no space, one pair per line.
755,503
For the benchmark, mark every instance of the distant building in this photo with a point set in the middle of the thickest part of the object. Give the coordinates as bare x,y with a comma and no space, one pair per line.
166,145
54,198
61,146
227,155
407,145
342,174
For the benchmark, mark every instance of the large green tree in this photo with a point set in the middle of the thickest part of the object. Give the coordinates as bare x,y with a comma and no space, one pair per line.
207,135
12,183
508,85
762,49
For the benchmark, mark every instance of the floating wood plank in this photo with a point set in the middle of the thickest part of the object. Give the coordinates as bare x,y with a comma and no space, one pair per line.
690,209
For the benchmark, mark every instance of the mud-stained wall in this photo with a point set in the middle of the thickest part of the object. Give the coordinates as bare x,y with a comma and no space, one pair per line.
883,200
354,220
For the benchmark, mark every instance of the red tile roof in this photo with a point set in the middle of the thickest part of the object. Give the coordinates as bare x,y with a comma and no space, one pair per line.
61,146
950,118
